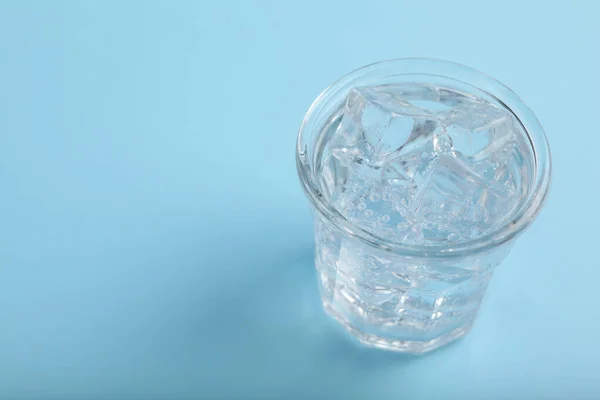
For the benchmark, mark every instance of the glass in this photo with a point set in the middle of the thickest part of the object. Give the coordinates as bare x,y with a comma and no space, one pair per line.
421,174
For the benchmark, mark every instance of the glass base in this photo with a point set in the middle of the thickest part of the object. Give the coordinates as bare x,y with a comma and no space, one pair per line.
403,346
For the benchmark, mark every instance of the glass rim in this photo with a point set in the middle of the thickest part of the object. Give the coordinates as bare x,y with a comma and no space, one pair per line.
451,70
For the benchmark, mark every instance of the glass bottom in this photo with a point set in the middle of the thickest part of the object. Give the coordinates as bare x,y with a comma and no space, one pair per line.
415,347
399,303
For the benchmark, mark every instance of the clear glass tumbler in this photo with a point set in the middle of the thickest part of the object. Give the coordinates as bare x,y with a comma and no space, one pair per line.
400,294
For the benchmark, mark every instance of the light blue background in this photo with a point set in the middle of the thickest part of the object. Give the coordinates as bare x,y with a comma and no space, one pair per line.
154,239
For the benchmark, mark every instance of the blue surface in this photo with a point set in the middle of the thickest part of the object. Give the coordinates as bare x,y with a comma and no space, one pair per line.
155,242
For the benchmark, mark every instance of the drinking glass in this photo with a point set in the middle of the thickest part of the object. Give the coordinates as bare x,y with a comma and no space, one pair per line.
401,295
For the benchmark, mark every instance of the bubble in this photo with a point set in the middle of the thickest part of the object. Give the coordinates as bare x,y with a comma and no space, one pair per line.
402,226
374,197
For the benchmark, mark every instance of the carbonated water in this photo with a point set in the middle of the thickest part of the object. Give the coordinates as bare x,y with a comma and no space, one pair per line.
424,165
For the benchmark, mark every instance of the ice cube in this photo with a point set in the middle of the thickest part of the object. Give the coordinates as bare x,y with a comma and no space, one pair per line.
479,131
455,99
454,197
411,163
386,124
444,192
395,98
